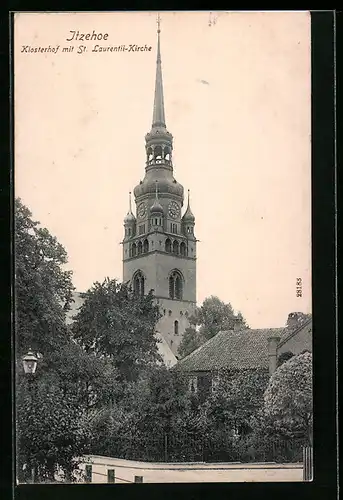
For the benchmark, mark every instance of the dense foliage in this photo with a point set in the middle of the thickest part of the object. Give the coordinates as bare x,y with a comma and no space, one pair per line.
212,317
50,430
43,286
288,398
51,435
237,398
115,323
160,407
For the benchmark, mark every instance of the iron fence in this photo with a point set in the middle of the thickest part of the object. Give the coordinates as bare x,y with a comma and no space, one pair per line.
197,447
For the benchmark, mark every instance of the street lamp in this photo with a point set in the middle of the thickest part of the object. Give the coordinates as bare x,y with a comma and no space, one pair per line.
30,363
30,366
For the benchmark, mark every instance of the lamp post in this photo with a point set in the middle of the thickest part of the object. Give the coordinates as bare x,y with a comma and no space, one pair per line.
30,366
30,363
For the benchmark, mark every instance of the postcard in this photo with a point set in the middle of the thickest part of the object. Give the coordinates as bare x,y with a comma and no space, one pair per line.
163,246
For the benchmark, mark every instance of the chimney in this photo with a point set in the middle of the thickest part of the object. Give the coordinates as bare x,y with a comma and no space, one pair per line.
272,353
293,319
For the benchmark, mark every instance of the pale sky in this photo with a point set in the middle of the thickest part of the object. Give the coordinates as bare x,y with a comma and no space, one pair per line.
237,100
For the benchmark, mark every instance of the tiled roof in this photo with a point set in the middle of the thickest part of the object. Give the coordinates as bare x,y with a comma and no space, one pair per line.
231,350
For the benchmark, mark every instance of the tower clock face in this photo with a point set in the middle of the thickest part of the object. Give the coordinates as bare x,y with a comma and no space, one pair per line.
141,210
173,210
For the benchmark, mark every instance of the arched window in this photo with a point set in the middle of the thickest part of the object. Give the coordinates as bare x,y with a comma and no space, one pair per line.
176,247
176,327
146,246
158,152
150,154
168,245
156,221
178,287
175,285
140,248
139,283
183,249
134,250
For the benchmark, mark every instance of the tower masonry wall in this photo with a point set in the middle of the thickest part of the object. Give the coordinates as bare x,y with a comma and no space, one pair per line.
145,263
157,266
157,241
165,263
174,310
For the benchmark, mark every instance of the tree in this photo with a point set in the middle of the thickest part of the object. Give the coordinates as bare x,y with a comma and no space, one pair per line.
215,316
43,287
154,405
191,340
236,400
288,397
166,402
209,319
50,435
116,323
68,381
91,380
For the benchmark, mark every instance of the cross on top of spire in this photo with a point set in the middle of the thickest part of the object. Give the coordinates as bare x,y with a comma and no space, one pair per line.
158,23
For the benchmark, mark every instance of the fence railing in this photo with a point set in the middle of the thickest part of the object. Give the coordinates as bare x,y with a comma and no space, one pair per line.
191,447
272,450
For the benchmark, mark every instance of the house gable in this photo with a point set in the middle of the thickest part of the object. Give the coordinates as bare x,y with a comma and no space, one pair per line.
297,341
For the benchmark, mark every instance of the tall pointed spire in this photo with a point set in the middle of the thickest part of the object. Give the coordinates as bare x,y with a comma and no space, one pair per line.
130,206
158,119
188,215
129,216
156,207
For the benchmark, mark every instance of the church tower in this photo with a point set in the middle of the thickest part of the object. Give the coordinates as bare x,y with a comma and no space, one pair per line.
159,246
